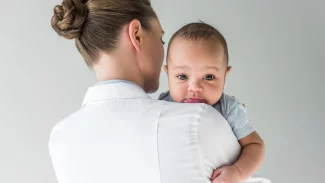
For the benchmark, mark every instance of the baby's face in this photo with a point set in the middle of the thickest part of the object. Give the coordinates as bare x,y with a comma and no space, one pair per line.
196,71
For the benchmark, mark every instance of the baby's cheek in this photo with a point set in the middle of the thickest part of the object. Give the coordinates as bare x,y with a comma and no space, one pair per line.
214,95
178,93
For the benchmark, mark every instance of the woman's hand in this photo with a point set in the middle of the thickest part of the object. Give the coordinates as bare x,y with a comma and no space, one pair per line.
226,174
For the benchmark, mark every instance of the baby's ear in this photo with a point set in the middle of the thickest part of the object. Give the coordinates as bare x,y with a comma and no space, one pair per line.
228,70
166,68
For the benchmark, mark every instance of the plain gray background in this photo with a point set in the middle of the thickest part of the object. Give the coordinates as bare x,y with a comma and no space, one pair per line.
277,54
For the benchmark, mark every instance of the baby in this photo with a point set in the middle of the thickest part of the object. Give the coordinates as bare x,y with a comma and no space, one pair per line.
197,66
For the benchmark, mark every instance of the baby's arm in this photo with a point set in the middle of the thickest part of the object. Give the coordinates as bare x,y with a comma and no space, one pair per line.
252,153
249,161
251,156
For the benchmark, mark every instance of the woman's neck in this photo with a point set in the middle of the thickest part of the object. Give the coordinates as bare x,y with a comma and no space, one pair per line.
111,67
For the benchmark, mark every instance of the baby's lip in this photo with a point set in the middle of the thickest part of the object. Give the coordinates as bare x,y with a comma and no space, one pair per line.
194,100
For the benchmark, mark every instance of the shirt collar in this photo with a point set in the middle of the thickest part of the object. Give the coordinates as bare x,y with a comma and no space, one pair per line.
114,81
114,89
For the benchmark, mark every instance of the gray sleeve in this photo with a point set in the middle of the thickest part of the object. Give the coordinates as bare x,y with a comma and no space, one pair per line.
239,122
165,96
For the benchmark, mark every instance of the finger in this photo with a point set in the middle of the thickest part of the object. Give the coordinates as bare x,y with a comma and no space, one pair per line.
216,172
217,180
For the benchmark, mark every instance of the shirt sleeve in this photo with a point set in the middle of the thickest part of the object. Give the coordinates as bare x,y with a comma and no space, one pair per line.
165,96
239,122
217,142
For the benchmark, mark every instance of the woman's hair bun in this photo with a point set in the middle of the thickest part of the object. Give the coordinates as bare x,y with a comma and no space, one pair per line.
69,18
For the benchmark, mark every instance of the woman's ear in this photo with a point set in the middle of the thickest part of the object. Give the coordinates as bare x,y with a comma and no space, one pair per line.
135,34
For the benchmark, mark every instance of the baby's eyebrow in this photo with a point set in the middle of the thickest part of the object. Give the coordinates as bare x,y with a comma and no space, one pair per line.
181,67
212,67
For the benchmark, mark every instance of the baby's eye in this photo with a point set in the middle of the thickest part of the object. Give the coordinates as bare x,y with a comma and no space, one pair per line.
182,77
209,77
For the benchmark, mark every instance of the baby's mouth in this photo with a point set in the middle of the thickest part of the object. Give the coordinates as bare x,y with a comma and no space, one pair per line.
194,100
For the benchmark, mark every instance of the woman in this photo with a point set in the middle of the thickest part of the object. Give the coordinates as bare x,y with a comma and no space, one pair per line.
120,134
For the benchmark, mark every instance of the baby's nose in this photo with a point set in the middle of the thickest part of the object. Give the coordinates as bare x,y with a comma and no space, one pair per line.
195,87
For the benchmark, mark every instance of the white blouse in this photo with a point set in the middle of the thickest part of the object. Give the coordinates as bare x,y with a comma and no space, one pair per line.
121,135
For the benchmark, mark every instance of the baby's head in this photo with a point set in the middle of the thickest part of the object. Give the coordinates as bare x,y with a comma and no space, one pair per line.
197,64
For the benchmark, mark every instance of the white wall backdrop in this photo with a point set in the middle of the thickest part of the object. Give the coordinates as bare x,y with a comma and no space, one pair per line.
277,54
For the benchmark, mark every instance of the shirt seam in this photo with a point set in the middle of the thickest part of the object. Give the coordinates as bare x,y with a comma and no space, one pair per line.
157,129
199,147
231,109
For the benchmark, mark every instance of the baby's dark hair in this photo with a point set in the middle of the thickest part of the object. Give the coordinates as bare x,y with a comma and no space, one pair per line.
201,31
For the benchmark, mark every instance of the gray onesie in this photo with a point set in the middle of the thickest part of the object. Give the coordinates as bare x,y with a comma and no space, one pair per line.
232,110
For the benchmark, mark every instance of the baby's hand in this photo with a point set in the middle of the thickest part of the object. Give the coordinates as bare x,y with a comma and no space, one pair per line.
226,174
